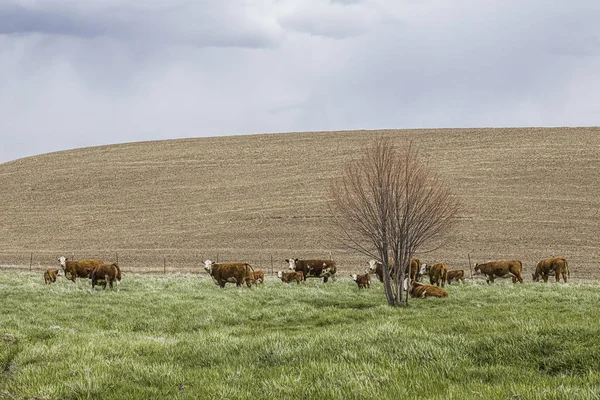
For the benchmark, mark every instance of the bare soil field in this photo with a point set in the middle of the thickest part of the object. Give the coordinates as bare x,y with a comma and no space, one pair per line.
526,193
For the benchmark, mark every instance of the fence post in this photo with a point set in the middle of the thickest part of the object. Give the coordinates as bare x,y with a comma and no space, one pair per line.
271,264
164,264
30,261
117,255
470,269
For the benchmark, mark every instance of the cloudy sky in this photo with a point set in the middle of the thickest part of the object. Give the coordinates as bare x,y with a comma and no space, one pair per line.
79,73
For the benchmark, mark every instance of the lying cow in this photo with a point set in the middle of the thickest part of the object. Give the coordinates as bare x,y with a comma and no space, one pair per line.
232,272
363,281
455,274
556,265
78,269
257,276
500,269
313,268
438,273
421,290
50,276
106,273
287,277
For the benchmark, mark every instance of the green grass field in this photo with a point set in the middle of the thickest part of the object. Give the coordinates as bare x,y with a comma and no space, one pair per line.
158,337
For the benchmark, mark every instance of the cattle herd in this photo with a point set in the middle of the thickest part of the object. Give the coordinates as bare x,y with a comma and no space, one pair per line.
239,273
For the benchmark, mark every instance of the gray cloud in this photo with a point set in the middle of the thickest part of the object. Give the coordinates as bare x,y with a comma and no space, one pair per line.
87,73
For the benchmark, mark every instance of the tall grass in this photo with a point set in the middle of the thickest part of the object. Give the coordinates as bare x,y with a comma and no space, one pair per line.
183,337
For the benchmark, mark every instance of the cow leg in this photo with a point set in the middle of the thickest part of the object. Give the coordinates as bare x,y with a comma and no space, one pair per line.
490,279
325,278
545,278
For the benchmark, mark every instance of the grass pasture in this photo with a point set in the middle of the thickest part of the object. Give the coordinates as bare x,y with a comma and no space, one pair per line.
183,337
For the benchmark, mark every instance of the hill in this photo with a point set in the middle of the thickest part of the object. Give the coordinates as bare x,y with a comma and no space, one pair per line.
527,192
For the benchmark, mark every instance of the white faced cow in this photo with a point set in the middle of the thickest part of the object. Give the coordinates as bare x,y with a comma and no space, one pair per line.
313,268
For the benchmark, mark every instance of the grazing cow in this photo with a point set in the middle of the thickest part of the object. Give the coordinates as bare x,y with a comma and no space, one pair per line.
421,290
232,272
500,269
363,281
313,268
287,277
437,273
78,269
106,273
455,274
545,267
257,276
50,276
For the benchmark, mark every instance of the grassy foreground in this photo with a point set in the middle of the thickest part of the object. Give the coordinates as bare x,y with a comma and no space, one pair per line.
159,337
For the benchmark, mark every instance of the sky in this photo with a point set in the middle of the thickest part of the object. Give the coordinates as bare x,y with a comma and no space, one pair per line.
81,73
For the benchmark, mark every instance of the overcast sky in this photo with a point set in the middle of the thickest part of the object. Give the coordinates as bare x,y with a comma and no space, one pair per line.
79,73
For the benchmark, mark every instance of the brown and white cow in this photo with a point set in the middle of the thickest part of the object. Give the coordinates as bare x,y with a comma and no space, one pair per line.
375,267
363,281
50,276
74,269
287,277
556,265
313,268
500,269
421,290
106,273
257,276
232,272
437,273
455,274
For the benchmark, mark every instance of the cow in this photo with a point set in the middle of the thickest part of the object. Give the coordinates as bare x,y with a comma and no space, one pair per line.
78,269
313,268
556,265
232,272
421,290
257,276
500,269
437,272
106,273
455,274
415,269
287,277
50,276
375,267
363,281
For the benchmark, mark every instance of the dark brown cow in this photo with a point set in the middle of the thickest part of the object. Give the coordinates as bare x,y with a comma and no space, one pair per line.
78,269
106,273
500,269
437,273
313,268
257,276
421,290
50,276
415,269
232,272
455,274
375,267
363,281
556,265
287,277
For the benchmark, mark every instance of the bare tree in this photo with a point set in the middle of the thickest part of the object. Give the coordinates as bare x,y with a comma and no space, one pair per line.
387,205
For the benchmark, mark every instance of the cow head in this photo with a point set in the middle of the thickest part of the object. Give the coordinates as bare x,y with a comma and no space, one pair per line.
535,277
63,261
280,274
208,265
354,277
373,266
424,269
477,269
291,262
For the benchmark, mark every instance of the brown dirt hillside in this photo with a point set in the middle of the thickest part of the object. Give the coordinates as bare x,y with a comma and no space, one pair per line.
526,193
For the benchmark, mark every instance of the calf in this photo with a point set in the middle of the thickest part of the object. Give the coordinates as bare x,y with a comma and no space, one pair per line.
287,277
420,290
232,272
556,265
437,273
363,281
257,276
500,269
74,269
313,268
455,274
106,273
50,276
